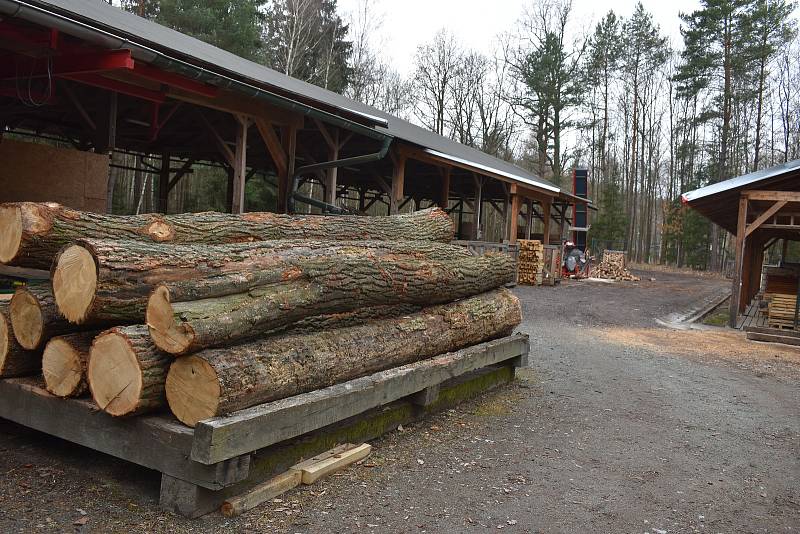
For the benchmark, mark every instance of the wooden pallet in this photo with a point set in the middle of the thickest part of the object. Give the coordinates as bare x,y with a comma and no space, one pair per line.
225,456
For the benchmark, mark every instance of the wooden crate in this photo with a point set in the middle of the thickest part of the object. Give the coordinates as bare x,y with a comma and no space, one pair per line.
781,311
225,456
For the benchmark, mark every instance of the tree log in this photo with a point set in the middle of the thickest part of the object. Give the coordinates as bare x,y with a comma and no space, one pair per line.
126,372
216,382
35,317
15,360
100,280
64,363
322,287
32,233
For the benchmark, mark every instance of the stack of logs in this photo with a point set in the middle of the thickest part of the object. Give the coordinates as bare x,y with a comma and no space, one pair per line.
211,313
612,267
530,262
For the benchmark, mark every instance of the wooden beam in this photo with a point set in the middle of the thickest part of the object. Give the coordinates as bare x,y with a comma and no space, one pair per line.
528,218
788,196
329,140
398,183
736,286
240,163
477,214
333,172
105,138
444,192
385,186
512,234
180,173
232,102
273,144
289,143
546,209
752,227
222,146
163,184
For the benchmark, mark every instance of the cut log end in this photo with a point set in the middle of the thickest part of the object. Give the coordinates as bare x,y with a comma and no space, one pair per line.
192,390
160,231
26,319
10,232
61,367
74,282
114,374
167,334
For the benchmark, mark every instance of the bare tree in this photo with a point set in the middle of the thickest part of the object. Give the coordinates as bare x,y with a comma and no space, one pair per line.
436,64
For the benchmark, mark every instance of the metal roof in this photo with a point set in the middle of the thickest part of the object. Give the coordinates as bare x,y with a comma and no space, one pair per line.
741,181
105,19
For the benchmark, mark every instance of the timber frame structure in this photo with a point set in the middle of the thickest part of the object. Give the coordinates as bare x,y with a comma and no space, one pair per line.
102,80
759,208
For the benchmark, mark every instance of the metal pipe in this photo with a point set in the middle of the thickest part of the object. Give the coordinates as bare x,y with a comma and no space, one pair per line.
314,167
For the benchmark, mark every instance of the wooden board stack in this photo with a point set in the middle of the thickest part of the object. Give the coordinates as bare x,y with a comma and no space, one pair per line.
530,262
211,313
612,267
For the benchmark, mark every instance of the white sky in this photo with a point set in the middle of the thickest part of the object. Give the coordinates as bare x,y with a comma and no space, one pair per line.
410,23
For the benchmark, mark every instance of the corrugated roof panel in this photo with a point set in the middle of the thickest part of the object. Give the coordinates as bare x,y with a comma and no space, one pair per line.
741,181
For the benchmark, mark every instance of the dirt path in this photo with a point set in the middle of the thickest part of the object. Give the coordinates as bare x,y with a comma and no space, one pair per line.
617,426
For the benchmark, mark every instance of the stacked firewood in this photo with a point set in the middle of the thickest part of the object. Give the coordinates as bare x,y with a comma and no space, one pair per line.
210,313
612,267
530,262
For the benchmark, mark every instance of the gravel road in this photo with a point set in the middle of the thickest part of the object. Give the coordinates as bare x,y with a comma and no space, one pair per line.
618,425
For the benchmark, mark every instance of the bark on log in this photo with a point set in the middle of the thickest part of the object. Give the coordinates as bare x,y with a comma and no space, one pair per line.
32,233
320,287
64,363
217,382
35,317
100,280
15,360
126,372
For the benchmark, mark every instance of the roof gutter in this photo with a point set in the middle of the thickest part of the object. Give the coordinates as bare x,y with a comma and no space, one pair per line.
47,18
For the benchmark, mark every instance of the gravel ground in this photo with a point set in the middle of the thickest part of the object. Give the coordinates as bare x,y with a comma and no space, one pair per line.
618,425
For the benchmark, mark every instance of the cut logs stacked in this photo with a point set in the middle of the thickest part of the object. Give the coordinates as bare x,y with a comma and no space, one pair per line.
530,262
612,267
214,312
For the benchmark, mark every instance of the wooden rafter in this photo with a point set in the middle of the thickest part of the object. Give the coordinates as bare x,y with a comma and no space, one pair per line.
789,196
761,219
273,145
222,146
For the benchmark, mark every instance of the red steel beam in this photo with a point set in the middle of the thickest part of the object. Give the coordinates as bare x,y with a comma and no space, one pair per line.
68,65
174,80
120,87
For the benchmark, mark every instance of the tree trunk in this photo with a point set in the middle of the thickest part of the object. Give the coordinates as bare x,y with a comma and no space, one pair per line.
32,233
64,364
217,382
326,286
35,317
126,372
15,360
96,281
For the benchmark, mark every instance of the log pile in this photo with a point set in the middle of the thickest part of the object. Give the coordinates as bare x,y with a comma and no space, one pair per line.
530,262
211,313
612,267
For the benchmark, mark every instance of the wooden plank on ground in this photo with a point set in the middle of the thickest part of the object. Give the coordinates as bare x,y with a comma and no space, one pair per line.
774,338
262,493
321,466
220,438
155,442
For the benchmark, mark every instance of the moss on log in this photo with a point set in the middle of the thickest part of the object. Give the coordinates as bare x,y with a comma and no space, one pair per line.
32,233
220,381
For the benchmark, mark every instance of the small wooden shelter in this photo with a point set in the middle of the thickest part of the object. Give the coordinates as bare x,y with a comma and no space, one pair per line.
759,208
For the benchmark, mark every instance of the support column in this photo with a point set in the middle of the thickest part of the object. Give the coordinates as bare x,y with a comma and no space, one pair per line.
444,194
163,183
477,211
289,142
736,286
528,218
239,164
333,172
513,227
106,139
546,210
398,183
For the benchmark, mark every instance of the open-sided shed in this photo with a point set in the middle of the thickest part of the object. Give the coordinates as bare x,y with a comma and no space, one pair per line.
758,208
104,79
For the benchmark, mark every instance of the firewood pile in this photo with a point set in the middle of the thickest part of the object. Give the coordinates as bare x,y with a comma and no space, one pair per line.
530,262
612,267
210,313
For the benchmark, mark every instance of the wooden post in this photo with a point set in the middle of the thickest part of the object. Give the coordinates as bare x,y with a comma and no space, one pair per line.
515,200
333,172
444,194
528,218
163,183
476,214
289,142
239,164
398,183
736,287
229,193
784,251
546,210
563,221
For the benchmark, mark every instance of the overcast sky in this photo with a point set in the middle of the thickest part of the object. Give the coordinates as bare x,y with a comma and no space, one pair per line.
409,23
